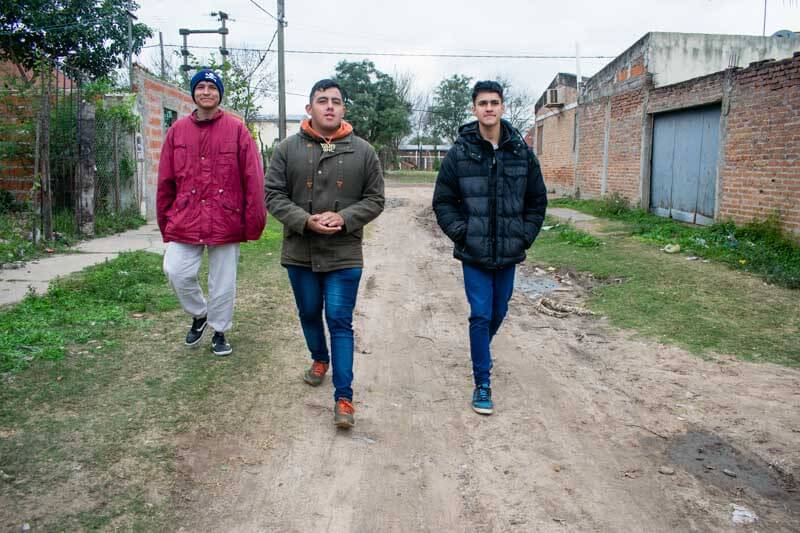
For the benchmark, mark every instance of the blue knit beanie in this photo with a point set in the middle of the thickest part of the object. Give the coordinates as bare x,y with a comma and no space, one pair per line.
207,75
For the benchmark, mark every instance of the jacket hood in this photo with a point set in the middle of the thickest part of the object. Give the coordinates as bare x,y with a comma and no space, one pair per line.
345,129
470,134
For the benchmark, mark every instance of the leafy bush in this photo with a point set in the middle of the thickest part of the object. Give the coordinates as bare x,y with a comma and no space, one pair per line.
761,247
578,237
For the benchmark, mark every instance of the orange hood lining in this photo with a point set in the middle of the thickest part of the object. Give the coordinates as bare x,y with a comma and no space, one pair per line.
345,129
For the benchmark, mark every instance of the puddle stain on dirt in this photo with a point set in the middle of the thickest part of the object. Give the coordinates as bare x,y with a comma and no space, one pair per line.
535,286
714,461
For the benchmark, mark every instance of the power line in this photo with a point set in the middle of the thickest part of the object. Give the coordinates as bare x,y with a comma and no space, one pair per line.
408,54
264,10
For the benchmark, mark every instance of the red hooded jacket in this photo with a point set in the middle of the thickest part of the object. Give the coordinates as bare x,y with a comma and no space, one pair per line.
210,183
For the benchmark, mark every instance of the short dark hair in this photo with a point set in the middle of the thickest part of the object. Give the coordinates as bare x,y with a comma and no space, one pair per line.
324,85
487,86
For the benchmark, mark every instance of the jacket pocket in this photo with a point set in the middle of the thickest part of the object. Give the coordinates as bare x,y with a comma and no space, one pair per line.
233,215
226,161
179,158
178,205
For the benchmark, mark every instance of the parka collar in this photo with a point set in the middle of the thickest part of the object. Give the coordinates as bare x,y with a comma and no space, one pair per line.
216,117
470,134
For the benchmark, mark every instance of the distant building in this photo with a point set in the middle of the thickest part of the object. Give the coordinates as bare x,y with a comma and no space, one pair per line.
553,133
266,127
420,157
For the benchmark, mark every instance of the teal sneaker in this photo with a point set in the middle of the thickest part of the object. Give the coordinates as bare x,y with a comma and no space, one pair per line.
482,400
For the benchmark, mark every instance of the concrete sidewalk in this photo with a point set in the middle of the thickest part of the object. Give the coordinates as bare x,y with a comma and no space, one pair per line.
39,273
569,214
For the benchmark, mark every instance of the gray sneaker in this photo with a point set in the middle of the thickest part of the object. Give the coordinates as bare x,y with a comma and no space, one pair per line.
196,331
314,375
343,413
219,345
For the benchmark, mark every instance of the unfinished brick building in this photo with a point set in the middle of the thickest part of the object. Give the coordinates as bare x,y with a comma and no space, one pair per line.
674,124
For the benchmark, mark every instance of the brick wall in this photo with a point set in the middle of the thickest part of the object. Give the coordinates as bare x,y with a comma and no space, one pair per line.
692,93
624,144
591,138
154,96
557,157
16,161
761,171
16,156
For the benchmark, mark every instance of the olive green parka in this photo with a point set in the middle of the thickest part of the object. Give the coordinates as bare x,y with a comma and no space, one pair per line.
304,180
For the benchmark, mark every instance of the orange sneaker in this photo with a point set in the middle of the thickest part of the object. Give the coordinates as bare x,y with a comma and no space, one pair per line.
314,375
343,413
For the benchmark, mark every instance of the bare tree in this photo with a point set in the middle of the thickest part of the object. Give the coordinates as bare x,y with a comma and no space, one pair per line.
172,67
253,79
519,105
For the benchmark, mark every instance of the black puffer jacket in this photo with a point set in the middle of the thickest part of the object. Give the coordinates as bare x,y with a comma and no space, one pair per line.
490,203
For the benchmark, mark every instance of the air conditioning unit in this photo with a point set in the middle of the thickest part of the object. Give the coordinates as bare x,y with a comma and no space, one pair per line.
553,98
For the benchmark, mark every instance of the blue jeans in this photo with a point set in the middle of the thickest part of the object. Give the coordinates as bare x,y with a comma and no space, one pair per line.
335,292
488,293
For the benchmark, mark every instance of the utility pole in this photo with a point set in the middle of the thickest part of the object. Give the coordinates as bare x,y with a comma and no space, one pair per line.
161,47
131,18
184,32
281,75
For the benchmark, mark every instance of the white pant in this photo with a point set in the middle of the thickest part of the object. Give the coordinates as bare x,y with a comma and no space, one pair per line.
181,265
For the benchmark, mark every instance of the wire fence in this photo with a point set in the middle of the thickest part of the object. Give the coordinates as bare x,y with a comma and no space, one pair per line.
66,153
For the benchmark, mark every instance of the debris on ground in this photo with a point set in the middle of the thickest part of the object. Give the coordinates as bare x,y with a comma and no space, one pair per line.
742,515
550,307
666,470
672,248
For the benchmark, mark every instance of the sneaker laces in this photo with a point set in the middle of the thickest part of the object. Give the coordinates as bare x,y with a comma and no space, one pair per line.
345,406
483,394
318,368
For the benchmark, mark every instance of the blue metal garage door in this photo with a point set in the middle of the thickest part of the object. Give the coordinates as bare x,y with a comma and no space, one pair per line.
683,181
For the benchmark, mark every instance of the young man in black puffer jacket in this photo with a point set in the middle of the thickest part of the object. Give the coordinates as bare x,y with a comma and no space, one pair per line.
490,200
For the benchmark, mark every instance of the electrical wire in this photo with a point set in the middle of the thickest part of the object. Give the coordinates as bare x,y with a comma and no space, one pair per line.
402,54
264,10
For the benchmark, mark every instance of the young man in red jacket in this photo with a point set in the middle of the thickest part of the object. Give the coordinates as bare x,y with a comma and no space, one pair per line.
210,196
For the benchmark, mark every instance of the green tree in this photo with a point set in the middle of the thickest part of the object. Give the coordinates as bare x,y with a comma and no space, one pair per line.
87,35
374,104
452,102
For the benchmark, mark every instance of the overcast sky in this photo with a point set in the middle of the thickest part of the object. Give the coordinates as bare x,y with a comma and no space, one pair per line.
508,27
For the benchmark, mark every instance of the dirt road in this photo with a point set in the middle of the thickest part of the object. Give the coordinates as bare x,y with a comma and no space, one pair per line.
594,430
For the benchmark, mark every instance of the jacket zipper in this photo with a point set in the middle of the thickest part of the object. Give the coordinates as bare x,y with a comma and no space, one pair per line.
493,210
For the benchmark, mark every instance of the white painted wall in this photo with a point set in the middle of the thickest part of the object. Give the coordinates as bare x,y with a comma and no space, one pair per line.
268,128
676,57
